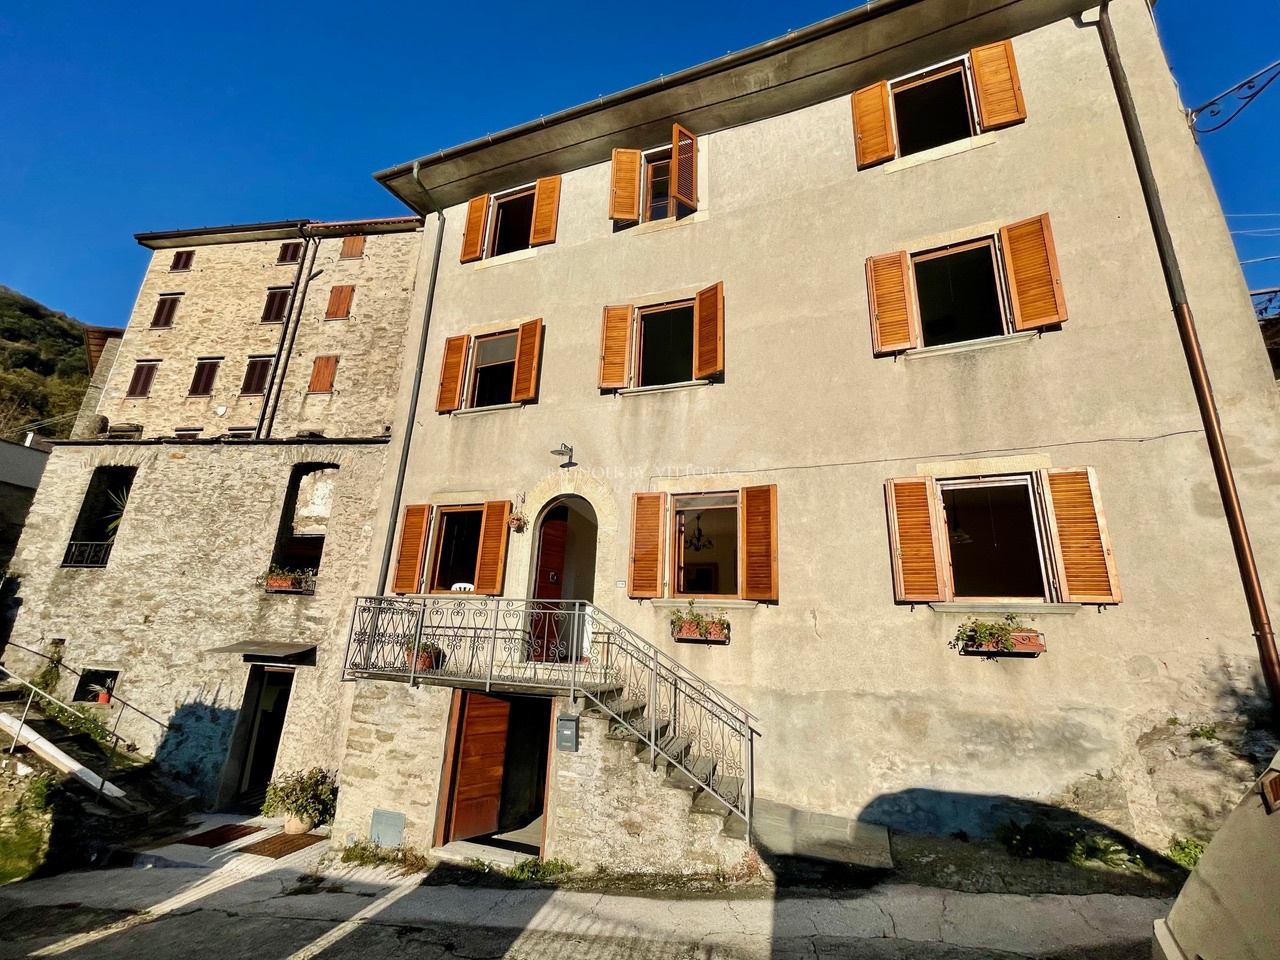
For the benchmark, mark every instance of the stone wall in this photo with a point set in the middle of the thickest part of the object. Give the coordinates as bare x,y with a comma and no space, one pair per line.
88,420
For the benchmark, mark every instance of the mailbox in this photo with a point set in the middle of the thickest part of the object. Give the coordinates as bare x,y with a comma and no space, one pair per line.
567,734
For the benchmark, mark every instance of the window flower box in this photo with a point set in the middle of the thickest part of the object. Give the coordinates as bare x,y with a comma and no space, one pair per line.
1006,637
693,626
277,580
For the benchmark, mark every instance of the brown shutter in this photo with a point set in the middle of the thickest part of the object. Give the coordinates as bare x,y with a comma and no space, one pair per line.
995,74
546,211
166,307
624,185
477,220
894,327
1031,264
339,302
182,260
323,372
413,548
491,558
289,253
452,369
255,376
1083,561
648,519
615,347
758,519
708,332
277,304
872,126
202,380
524,385
352,248
140,382
917,548
684,166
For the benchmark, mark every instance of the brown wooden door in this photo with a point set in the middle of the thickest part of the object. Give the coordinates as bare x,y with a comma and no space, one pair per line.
477,789
549,585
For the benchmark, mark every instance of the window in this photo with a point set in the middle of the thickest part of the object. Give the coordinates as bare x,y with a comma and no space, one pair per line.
240,433
94,684
722,544
339,307
514,220
99,519
304,520
277,305
323,372
665,343
182,260
140,383
166,307
987,287
188,433
954,101
206,373
289,253
491,370
655,184
468,551
352,248
1015,537
256,373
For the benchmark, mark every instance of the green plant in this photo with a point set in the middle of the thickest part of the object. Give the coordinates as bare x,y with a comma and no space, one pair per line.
1207,731
302,579
366,853
1186,851
699,621
538,870
119,500
986,634
308,796
47,679
1103,849
1173,721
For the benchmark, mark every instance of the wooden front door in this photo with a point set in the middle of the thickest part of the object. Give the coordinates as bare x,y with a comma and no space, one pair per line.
549,583
477,787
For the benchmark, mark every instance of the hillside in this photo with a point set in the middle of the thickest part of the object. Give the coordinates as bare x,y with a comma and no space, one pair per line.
43,367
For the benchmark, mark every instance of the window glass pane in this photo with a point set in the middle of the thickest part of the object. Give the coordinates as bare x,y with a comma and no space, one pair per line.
959,297
994,548
707,550
495,349
702,501
932,113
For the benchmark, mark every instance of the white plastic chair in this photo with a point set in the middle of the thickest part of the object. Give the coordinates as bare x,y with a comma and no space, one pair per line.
463,588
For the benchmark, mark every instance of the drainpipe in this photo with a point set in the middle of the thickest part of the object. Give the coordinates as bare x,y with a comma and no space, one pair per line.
385,569
288,312
292,323
1262,630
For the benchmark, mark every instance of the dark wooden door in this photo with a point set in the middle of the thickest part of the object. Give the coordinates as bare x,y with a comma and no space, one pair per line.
549,585
477,788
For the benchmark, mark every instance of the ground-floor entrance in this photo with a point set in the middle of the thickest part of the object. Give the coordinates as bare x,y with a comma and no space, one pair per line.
257,737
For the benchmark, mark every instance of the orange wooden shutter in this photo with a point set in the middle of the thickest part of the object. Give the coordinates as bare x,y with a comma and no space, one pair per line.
684,166
624,185
995,74
546,211
473,236
1031,264
916,540
413,548
872,126
615,347
648,518
451,374
352,247
339,302
322,375
1083,560
894,327
758,521
491,558
708,332
524,385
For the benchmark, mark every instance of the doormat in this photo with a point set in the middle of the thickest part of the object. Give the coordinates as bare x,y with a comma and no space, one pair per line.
218,836
281,845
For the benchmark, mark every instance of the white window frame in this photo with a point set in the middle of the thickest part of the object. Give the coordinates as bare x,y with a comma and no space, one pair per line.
971,95
491,220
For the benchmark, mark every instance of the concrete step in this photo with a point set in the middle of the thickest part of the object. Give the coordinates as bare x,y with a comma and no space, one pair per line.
619,732
672,746
627,710
785,831
696,771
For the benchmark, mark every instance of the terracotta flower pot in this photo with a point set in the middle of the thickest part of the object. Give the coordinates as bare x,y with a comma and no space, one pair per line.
686,631
104,696
295,825
1024,642
280,583
717,633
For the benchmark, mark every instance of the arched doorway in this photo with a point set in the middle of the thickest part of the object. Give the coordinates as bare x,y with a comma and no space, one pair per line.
564,566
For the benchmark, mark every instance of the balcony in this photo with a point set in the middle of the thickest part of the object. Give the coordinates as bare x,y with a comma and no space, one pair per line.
87,553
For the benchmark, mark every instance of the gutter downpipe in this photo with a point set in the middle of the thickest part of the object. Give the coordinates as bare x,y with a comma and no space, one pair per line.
275,363
385,569
1249,579
284,353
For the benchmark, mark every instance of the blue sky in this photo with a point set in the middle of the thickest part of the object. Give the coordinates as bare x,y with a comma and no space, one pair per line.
127,117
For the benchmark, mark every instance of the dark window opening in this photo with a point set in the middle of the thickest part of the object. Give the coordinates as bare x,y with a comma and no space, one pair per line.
255,377
1271,338
276,306
94,684
188,433
932,112
995,552
240,433
166,307
304,521
457,548
182,260
512,224
959,295
705,540
140,383
495,370
100,515
289,253
666,345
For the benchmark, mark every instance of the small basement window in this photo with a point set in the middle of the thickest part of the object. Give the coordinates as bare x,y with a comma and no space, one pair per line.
304,521
666,345
494,370
959,294
994,536
932,109
457,548
100,515
512,222
94,683
704,540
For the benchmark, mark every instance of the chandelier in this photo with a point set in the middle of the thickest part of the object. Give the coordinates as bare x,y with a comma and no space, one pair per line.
698,541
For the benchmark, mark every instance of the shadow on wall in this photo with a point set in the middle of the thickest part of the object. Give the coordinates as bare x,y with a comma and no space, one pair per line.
194,748
10,604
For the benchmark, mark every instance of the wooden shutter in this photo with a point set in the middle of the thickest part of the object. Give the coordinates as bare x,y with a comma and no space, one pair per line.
339,302
491,558
894,326
277,304
413,548
684,166
648,521
1031,264
916,540
546,211
624,185
995,74
322,375
166,307
289,253
872,126
352,248
1083,561
451,373
202,380
182,260
615,347
255,376
140,382
473,236
708,332
524,385
758,525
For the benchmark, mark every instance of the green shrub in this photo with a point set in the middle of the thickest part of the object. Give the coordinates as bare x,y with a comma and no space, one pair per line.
1186,851
308,796
1207,731
538,870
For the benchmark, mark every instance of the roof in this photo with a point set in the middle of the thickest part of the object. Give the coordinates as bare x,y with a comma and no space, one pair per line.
830,59
274,230
95,341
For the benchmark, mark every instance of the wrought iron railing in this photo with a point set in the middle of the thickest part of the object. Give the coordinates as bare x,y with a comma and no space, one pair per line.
569,646
86,553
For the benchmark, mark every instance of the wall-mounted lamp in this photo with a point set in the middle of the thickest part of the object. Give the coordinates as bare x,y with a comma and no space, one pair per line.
566,451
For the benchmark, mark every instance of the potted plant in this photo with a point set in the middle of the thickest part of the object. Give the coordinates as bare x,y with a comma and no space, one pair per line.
430,656
104,695
693,624
278,579
1008,635
305,799
517,522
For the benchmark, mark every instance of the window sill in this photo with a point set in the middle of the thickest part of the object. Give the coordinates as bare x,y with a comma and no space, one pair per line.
713,603
667,223
511,257
921,353
939,153
662,387
982,606
476,411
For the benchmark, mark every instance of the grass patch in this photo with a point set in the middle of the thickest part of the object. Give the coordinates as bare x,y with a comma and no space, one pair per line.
1041,841
1186,851
538,870
24,832
1206,731
366,853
